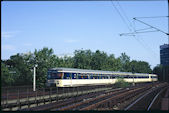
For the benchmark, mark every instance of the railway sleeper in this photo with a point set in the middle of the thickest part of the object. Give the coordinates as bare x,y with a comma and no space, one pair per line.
115,99
59,103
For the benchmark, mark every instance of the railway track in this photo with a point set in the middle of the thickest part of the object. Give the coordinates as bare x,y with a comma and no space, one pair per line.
94,101
90,100
105,100
67,102
149,100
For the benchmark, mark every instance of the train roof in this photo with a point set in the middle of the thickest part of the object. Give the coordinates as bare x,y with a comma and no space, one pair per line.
94,71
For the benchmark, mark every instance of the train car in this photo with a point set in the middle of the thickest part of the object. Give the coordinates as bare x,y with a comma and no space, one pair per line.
71,77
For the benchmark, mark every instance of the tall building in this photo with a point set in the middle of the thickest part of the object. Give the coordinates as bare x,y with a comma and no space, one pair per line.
164,54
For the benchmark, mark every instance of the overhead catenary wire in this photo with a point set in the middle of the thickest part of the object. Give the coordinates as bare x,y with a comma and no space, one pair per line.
154,17
150,26
146,47
132,34
124,13
143,29
137,32
123,19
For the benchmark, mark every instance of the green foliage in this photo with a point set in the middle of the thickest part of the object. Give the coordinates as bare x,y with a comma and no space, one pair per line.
17,64
162,72
45,59
6,76
121,83
125,61
82,59
99,60
139,67
22,65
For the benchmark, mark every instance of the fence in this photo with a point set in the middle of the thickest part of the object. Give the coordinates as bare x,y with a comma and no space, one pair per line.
42,95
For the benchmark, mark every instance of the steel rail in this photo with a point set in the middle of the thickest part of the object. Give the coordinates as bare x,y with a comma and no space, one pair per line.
75,105
92,103
155,98
116,97
148,92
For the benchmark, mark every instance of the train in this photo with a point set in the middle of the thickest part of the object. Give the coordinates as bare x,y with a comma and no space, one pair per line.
72,77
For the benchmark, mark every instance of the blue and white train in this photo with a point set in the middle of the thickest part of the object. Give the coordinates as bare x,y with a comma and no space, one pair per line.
71,77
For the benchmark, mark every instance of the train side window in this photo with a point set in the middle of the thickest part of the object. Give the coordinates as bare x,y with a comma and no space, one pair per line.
104,76
66,75
85,77
79,76
125,76
113,76
91,76
108,77
74,75
95,77
153,77
99,77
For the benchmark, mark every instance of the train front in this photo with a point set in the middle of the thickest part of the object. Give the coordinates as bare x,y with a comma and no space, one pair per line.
54,78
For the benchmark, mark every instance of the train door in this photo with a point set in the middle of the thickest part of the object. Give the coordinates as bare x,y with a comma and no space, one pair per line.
67,79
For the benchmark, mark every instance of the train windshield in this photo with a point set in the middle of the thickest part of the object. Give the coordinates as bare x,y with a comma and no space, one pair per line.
54,75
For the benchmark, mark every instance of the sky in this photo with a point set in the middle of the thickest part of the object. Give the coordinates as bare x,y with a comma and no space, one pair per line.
66,26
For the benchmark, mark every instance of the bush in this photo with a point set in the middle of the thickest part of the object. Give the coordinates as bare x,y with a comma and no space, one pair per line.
121,83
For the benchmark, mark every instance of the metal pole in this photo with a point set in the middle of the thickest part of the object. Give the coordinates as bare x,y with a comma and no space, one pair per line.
34,77
168,43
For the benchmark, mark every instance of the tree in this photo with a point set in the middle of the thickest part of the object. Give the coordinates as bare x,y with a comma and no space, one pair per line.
22,74
125,62
140,67
99,60
162,72
6,76
45,59
82,59
18,70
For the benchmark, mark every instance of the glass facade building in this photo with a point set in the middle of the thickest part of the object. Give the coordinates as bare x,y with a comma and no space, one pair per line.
164,55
